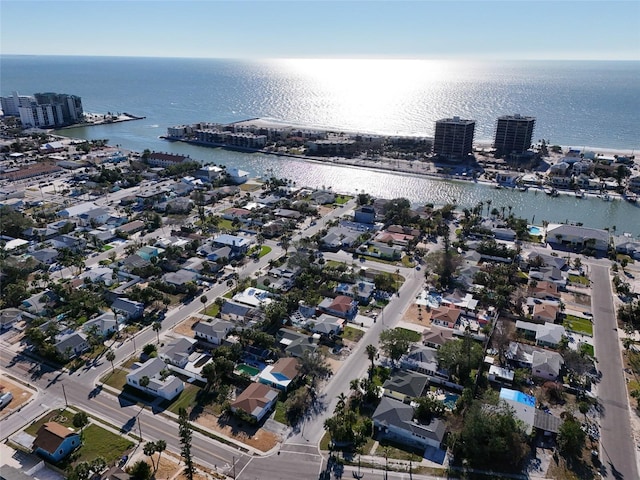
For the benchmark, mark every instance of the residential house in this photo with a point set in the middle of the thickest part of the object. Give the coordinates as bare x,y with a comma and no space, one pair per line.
161,382
523,406
71,345
627,245
9,316
547,335
40,303
46,256
362,291
546,364
444,316
341,306
234,312
237,176
214,254
327,325
405,385
104,324
133,262
365,214
545,312
323,197
256,400
281,374
339,237
546,260
580,237
131,227
55,441
238,245
437,336
295,344
180,278
177,351
148,252
544,289
501,375
127,309
213,332
254,297
394,420
423,360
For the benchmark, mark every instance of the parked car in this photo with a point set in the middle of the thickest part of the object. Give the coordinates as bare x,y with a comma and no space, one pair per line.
5,399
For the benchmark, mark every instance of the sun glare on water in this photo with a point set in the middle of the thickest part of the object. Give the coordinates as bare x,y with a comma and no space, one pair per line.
370,92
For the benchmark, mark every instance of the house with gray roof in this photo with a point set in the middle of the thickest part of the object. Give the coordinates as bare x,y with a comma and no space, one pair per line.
580,237
46,256
128,309
546,364
71,345
394,420
213,332
327,325
179,278
423,360
405,385
9,316
40,303
234,312
338,237
177,351
161,382
104,324
295,344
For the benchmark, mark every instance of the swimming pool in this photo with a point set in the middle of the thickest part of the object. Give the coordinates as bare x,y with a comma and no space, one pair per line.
450,400
533,230
248,369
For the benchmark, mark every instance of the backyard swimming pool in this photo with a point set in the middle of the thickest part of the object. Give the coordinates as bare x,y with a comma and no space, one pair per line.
450,400
248,369
533,230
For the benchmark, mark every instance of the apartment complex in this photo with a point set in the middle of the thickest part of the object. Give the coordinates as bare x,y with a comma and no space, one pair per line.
44,109
513,134
454,137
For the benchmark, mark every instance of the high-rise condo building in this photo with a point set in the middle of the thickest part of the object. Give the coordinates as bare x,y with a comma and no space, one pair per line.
513,134
454,137
44,109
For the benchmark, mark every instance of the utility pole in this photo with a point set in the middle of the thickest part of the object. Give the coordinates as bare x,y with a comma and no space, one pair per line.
66,403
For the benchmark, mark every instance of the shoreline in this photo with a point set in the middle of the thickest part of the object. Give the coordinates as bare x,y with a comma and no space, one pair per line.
98,119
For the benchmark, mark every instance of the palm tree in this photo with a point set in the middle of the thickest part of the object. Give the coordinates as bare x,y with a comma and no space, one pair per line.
161,446
156,327
144,381
110,356
371,351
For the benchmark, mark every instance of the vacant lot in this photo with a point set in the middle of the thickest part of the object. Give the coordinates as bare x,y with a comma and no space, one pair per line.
21,394
578,325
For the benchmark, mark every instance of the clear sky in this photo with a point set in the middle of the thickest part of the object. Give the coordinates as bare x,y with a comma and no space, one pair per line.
507,29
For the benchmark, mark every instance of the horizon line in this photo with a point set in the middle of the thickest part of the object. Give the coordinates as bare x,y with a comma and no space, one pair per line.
354,57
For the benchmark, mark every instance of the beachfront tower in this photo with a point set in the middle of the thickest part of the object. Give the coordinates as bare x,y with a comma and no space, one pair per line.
454,137
513,134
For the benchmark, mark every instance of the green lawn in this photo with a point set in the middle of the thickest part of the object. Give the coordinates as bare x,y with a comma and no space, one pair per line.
186,399
264,250
106,248
414,336
408,262
353,334
578,325
225,224
212,310
64,417
342,199
280,414
98,442
116,379
588,349
581,279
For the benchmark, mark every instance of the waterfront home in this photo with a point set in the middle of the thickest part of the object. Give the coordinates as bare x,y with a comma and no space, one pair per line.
154,377
627,245
209,173
580,237
256,400
161,159
237,176
405,386
323,197
394,420
281,374
55,441
213,332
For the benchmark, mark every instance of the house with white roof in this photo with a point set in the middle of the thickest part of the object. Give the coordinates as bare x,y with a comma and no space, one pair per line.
254,297
575,236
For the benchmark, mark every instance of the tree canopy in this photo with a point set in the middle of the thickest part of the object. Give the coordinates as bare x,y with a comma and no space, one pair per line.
396,342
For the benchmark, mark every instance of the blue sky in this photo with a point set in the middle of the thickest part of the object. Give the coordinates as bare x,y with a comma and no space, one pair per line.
478,29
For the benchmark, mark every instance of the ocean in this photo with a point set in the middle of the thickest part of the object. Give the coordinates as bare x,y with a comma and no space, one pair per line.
578,104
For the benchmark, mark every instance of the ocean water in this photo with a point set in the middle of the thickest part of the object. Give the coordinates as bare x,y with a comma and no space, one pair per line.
576,104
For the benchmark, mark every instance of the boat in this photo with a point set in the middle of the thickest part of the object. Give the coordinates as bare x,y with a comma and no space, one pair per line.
631,197
579,193
551,191
499,187
523,188
605,196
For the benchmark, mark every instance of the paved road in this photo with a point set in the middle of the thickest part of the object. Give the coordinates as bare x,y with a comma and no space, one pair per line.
617,449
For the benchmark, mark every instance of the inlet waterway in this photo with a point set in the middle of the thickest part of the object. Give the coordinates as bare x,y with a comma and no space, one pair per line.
533,205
